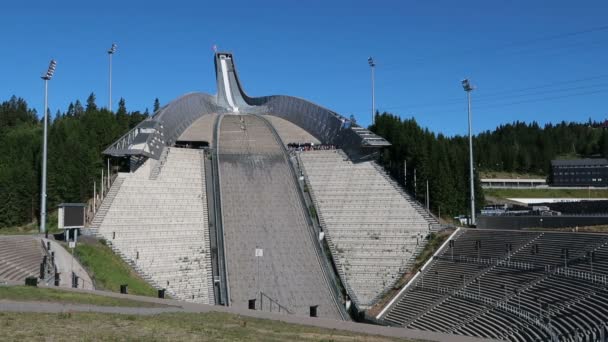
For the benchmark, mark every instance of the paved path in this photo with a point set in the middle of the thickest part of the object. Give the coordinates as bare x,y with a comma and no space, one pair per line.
65,264
178,306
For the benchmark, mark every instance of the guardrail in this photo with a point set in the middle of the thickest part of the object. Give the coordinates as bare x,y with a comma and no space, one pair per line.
219,218
272,302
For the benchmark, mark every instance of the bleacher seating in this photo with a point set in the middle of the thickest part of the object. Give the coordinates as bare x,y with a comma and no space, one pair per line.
160,226
511,285
261,209
20,257
373,229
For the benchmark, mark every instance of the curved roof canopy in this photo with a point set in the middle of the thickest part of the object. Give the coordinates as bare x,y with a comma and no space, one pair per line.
164,127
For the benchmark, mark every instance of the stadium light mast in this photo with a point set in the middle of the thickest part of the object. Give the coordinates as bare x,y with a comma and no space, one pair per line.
111,51
466,85
46,77
372,65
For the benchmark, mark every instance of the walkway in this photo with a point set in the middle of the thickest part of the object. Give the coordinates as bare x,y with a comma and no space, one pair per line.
179,306
66,264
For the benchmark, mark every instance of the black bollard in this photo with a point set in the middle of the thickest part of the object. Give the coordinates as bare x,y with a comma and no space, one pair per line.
313,311
31,281
74,280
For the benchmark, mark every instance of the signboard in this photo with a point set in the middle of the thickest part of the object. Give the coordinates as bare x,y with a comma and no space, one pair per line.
72,244
259,252
71,215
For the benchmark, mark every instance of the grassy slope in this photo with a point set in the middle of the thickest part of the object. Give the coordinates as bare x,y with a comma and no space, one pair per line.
164,327
546,193
109,271
27,293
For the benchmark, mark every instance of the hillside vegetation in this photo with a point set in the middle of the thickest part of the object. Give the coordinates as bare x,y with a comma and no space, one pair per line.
78,135
511,150
211,326
76,138
108,270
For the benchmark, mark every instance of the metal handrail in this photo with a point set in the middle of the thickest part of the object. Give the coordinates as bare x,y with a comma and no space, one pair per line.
278,305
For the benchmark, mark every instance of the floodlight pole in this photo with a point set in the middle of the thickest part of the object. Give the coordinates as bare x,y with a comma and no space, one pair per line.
110,94
46,77
468,88
109,176
372,65
110,53
427,196
44,148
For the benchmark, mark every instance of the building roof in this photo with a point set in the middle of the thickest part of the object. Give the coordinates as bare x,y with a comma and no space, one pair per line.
580,162
71,205
513,180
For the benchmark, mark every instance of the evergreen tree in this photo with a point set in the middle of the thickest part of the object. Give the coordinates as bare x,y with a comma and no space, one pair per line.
75,143
156,105
79,109
91,106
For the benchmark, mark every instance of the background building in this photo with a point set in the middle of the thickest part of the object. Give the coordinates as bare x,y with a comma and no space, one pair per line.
579,172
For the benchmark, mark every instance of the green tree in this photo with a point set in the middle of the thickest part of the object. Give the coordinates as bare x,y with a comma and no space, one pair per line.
75,142
91,105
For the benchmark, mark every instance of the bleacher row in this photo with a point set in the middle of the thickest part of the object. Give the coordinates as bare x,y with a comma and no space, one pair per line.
160,226
561,297
373,230
20,257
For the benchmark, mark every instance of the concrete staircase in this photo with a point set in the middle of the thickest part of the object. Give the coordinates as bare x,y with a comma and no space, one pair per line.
159,164
160,226
434,224
105,206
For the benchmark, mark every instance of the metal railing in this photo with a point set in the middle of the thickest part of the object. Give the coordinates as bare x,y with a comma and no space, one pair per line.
272,303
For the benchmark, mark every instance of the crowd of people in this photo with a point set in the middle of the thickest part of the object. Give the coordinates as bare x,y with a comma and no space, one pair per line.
309,147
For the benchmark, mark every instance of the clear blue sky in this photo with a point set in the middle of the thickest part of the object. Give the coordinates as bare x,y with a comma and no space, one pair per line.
530,60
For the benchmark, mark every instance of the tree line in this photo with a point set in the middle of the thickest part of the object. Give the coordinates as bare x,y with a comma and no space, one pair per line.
444,161
417,155
76,138
529,147
78,135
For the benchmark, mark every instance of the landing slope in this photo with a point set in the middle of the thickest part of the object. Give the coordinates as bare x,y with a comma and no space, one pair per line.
261,209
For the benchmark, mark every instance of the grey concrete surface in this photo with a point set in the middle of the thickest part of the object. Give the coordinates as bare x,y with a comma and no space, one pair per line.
262,209
289,132
66,264
200,130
